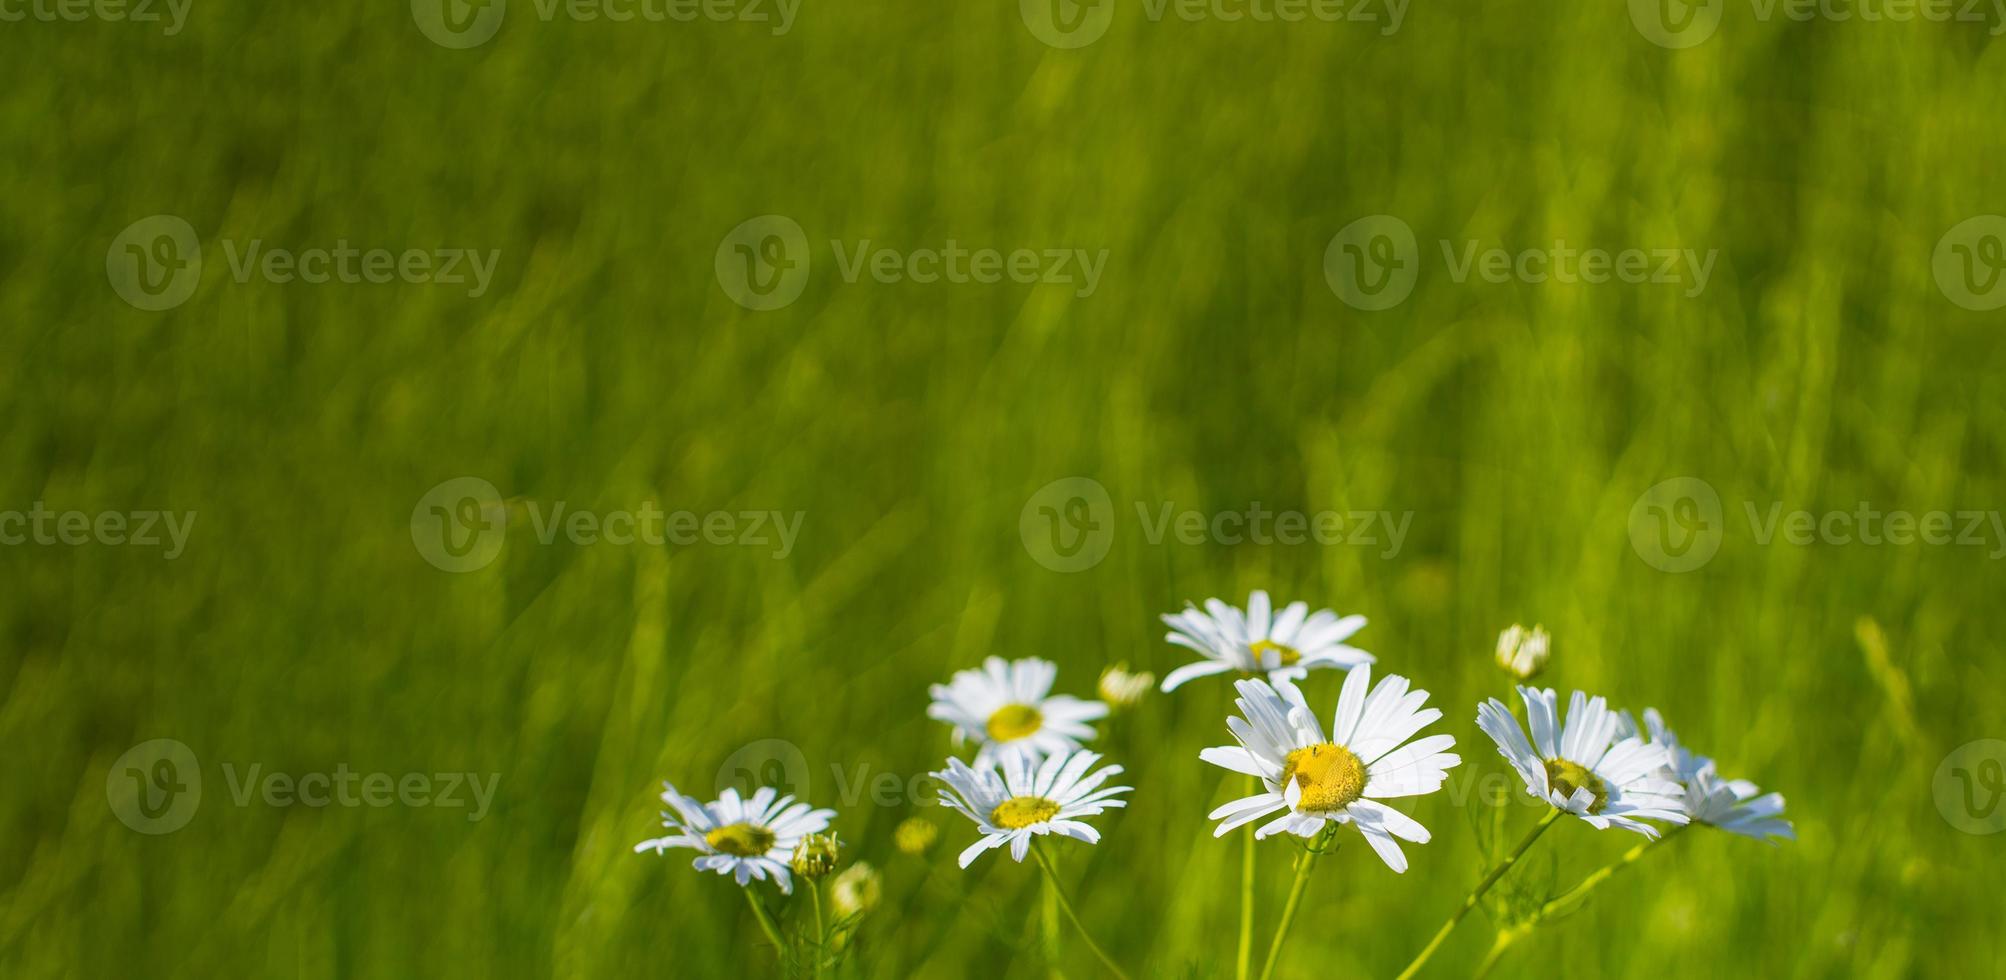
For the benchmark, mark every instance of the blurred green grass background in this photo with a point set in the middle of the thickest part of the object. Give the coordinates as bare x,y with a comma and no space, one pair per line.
910,423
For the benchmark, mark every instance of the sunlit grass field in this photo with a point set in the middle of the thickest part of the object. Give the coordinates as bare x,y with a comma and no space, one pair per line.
909,424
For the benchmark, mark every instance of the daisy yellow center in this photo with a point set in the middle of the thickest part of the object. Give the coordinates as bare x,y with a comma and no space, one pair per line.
740,840
1019,812
1286,655
1014,721
1566,777
1330,776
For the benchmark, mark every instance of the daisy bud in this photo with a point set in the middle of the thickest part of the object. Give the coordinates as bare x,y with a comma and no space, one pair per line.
915,835
1523,653
815,856
856,890
1121,689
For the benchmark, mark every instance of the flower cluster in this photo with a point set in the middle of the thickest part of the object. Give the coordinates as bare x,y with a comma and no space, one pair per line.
1031,776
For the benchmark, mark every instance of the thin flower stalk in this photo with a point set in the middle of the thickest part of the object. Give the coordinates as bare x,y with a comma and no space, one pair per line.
1476,895
1066,905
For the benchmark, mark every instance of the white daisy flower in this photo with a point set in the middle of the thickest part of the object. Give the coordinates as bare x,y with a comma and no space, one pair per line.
1583,768
1284,646
1008,709
1018,803
1734,805
746,838
1339,779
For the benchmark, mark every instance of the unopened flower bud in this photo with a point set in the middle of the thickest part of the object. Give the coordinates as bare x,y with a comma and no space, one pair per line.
815,856
1121,689
1523,653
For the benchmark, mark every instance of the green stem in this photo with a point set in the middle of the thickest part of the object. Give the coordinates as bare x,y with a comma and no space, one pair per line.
1600,875
1506,937
821,931
1296,889
1246,960
1048,927
1573,896
765,922
1442,934
1058,891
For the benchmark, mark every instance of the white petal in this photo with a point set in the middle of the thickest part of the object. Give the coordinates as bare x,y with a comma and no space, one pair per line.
1540,711
1191,671
1235,758
1387,849
1257,616
1350,705
1379,816
975,850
